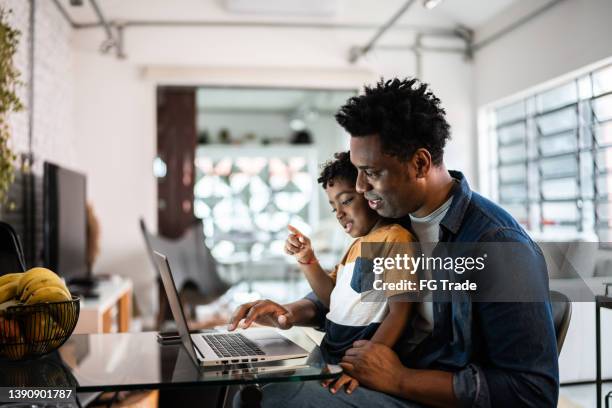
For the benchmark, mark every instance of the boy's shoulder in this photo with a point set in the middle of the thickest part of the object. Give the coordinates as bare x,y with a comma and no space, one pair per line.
390,233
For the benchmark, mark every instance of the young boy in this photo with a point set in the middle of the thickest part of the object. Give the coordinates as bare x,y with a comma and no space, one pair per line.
353,314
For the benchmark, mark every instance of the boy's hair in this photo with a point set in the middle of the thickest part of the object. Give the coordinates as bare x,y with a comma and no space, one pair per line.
405,114
339,168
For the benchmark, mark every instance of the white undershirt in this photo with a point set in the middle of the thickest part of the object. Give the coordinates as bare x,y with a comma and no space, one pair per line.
427,230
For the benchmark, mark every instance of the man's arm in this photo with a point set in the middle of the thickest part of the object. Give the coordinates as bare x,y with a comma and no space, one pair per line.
377,366
303,312
522,366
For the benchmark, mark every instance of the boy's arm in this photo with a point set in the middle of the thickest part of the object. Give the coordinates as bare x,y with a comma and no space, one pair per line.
394,324
298,245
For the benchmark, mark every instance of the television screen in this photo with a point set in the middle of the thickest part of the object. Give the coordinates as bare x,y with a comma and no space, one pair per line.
65,222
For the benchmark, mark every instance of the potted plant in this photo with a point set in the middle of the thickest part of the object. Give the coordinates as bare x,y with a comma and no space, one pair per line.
9,101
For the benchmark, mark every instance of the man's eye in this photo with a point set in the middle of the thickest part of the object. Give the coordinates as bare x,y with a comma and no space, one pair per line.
347,201
370,173
333,210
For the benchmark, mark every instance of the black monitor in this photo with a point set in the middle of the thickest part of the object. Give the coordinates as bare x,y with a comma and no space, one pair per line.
65,223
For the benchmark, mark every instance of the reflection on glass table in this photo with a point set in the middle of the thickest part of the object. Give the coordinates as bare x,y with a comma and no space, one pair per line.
130,361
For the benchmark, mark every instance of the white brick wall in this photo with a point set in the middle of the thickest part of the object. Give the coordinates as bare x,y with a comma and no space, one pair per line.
53,127
18,18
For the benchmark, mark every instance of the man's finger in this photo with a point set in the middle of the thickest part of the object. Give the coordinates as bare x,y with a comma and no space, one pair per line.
360,343
253,314
349,359
284,321
347,367
353,352
239,314
260,309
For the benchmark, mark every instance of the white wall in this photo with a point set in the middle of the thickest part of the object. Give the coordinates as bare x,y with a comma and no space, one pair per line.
115,121
569,36
53,128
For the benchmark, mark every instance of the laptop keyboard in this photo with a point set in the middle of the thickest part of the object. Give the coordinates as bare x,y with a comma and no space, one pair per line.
232,345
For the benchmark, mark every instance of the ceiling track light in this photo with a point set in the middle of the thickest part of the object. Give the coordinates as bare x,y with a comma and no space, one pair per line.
431,4
76,2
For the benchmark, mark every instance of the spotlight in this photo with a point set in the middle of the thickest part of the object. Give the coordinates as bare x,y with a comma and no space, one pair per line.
430,4
76,2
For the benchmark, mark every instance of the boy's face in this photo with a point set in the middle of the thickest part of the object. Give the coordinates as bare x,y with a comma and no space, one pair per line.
351,208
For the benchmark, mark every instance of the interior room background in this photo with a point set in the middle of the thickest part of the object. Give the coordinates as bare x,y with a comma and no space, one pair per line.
98,113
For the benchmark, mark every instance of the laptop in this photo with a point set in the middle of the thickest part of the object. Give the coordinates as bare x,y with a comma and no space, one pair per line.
222,348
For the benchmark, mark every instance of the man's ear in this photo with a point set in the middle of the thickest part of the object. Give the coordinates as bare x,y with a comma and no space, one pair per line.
421,162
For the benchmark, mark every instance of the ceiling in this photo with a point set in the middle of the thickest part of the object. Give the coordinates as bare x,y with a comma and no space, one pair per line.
470,13
448,14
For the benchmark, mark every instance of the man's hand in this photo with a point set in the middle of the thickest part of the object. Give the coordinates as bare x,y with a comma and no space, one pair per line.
264,312
337,384
374,365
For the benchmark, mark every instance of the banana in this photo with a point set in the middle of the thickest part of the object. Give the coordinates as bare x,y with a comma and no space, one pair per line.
8,291
10,277
43,282
47,294
34,273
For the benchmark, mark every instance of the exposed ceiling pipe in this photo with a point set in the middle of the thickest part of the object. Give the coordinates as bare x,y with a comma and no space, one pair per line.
268,24
357,52
110,41
423,48
64,13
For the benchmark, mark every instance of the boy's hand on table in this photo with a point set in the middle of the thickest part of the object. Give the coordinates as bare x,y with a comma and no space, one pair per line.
264,312
298,245
337,384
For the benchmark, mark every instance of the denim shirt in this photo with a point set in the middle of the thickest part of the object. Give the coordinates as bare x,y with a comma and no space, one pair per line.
502,354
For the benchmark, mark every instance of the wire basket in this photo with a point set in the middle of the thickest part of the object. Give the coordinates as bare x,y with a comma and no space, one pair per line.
30,331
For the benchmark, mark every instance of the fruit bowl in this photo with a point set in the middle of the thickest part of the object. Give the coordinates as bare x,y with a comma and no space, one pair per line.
30,331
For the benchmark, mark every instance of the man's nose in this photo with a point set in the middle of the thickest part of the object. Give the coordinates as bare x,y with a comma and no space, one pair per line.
361,185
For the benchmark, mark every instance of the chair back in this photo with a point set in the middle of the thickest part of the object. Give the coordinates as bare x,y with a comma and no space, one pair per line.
191,260
562,313
11,252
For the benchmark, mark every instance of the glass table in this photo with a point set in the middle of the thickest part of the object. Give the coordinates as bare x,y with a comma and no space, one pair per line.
136,361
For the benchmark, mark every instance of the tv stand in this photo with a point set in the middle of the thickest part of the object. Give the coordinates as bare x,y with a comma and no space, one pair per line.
88,282
110,311
84,287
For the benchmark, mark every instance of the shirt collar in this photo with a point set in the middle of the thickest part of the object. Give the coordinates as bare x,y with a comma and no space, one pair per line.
462,194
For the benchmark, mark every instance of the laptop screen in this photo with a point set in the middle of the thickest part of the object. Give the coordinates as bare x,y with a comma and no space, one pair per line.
175,304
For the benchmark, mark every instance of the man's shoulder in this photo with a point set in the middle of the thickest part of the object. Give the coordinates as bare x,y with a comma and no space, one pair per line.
485,220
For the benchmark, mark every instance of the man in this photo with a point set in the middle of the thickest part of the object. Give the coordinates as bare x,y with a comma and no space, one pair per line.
462,353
